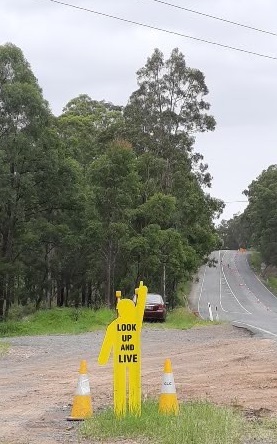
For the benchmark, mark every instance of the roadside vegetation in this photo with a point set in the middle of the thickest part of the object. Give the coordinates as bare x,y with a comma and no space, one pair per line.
184,319
198,422
270,281
58,321
25,320
4,348
182,294
74,321
256,227
256,261
102,196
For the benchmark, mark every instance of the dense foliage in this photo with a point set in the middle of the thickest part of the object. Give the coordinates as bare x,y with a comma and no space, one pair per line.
102,196
234,233
257,225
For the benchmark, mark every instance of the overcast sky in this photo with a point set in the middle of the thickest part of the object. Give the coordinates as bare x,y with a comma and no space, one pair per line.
73,52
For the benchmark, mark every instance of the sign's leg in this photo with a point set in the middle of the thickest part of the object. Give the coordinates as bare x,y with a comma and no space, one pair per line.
120,390
135,390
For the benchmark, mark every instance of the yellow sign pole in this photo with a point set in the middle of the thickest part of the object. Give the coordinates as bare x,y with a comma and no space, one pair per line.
123,337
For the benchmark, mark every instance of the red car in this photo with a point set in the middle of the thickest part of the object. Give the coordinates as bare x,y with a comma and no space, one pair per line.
155,308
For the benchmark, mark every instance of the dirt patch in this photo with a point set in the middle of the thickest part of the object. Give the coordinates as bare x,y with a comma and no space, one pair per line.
222,364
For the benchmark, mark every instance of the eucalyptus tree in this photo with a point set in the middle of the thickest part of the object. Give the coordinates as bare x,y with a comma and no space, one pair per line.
234,233
24,115
36,184
115,185
168,108
87,126
260,215
162,119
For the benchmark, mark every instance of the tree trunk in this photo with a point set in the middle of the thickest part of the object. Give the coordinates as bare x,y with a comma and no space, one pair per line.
84,294
62,296
60,293
108,289
89,298
76,293
164,281
9,295
38,300
66,293
108,275
2,298
48,290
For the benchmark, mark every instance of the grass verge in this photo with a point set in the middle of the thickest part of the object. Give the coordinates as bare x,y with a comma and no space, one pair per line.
256,261
272,282
183,319
197,423
183,291
72,321
58,321
4,347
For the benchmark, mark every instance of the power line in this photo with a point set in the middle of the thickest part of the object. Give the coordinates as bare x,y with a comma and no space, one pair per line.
216,18
233,48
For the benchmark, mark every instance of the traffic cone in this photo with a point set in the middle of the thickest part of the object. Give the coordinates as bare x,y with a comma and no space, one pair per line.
168,399
82,405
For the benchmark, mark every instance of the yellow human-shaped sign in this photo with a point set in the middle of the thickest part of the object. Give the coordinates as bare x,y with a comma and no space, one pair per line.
123,337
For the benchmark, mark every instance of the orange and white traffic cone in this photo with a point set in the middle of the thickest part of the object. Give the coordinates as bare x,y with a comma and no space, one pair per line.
168,399
82,405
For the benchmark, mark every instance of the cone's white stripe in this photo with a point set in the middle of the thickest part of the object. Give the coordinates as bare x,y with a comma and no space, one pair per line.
83,386
168,385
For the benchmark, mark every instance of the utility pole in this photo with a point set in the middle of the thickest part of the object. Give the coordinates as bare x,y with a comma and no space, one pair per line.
164,283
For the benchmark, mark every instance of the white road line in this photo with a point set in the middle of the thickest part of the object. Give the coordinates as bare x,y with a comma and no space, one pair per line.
256,328
201,289
223,282
250,291
260,280
220,285
233,292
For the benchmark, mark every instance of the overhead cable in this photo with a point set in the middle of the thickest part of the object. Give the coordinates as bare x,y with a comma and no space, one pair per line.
233,48
253,28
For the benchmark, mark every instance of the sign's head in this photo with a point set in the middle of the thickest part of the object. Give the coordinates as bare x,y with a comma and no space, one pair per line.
125,308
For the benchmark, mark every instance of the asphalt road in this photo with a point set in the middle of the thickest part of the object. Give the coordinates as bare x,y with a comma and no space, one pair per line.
236,294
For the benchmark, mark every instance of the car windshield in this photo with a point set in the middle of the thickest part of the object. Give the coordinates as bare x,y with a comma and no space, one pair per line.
154,299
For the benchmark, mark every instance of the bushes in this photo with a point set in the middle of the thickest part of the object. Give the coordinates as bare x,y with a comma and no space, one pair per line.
18,311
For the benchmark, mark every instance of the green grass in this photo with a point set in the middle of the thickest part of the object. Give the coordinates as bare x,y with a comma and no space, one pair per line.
272,282
197,423
256,260
183,291
58,321
183,319
74,321
4,347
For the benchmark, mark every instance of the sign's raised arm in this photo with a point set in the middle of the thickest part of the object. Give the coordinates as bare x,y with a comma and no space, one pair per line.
141,293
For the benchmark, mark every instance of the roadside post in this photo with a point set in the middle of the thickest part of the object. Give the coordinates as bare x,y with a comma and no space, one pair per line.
216,314
123,339
210,312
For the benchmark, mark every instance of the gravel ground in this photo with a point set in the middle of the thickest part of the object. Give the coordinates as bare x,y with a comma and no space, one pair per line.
221,363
